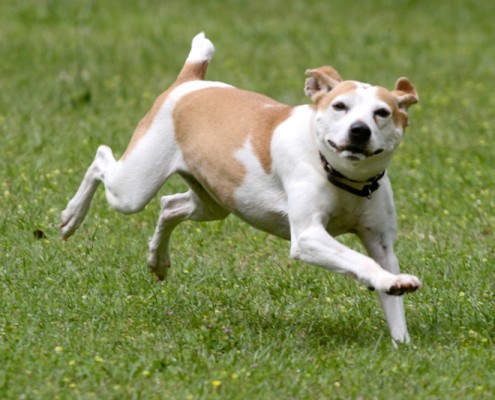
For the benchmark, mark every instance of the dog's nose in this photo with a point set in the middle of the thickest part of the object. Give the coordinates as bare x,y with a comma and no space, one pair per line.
359,132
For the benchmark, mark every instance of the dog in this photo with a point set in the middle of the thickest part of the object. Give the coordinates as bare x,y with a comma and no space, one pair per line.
305,173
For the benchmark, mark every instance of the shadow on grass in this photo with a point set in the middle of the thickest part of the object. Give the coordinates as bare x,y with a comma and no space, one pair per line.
243,324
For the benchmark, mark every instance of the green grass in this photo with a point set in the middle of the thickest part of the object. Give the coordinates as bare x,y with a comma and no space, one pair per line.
238,319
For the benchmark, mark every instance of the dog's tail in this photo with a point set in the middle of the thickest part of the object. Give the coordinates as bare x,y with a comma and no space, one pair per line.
198,59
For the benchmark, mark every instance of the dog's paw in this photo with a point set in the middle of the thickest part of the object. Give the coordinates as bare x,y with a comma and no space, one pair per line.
67,224
70,219
403,283
158,265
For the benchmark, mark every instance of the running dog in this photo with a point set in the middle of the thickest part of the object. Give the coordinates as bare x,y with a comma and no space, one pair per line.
305,173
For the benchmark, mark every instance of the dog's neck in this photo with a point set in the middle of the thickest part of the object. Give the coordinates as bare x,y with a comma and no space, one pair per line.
338,179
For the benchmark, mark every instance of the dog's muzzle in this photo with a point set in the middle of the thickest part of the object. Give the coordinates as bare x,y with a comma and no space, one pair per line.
358,139
359,134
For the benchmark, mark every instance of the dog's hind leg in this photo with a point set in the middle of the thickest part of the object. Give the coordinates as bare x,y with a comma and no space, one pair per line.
130,183
196,205
78,206
151,156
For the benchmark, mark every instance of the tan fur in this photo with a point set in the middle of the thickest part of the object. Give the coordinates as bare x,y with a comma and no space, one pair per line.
212,124
321,80
190,71
323,99
399,117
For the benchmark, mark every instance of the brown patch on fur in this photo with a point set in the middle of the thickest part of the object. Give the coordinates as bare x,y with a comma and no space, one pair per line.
399,116
212,124
321,80
190,71
329,71
323,100
405,93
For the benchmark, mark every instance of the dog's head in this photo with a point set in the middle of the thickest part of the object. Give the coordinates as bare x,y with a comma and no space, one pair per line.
357,123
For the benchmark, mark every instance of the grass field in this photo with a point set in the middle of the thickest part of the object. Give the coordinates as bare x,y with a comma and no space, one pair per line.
237,319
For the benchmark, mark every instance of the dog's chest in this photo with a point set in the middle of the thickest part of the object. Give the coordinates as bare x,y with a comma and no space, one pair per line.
350,213
343,220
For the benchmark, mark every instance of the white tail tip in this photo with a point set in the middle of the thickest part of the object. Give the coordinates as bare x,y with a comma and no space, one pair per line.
201,49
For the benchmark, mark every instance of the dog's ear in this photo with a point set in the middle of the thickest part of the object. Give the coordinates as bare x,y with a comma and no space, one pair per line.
321,80
405,93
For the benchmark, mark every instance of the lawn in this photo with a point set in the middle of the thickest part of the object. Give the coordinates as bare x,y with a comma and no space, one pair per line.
237,319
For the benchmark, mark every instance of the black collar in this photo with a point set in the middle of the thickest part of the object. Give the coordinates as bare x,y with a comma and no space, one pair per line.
336,178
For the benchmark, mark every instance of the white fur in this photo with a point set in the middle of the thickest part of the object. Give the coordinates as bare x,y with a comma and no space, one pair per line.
261,197
201,49
130,183
294,200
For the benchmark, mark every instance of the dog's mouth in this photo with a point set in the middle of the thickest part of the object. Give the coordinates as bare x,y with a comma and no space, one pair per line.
352,152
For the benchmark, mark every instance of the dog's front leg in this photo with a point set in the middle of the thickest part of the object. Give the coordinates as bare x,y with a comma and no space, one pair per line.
315,246
311,243
380,246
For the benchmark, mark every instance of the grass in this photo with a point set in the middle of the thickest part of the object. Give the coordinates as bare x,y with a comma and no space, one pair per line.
238,319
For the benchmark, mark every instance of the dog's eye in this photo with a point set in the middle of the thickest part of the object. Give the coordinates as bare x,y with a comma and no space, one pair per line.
382,113
339,106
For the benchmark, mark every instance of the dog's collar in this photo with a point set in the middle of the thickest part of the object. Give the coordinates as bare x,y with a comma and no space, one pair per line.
335,177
